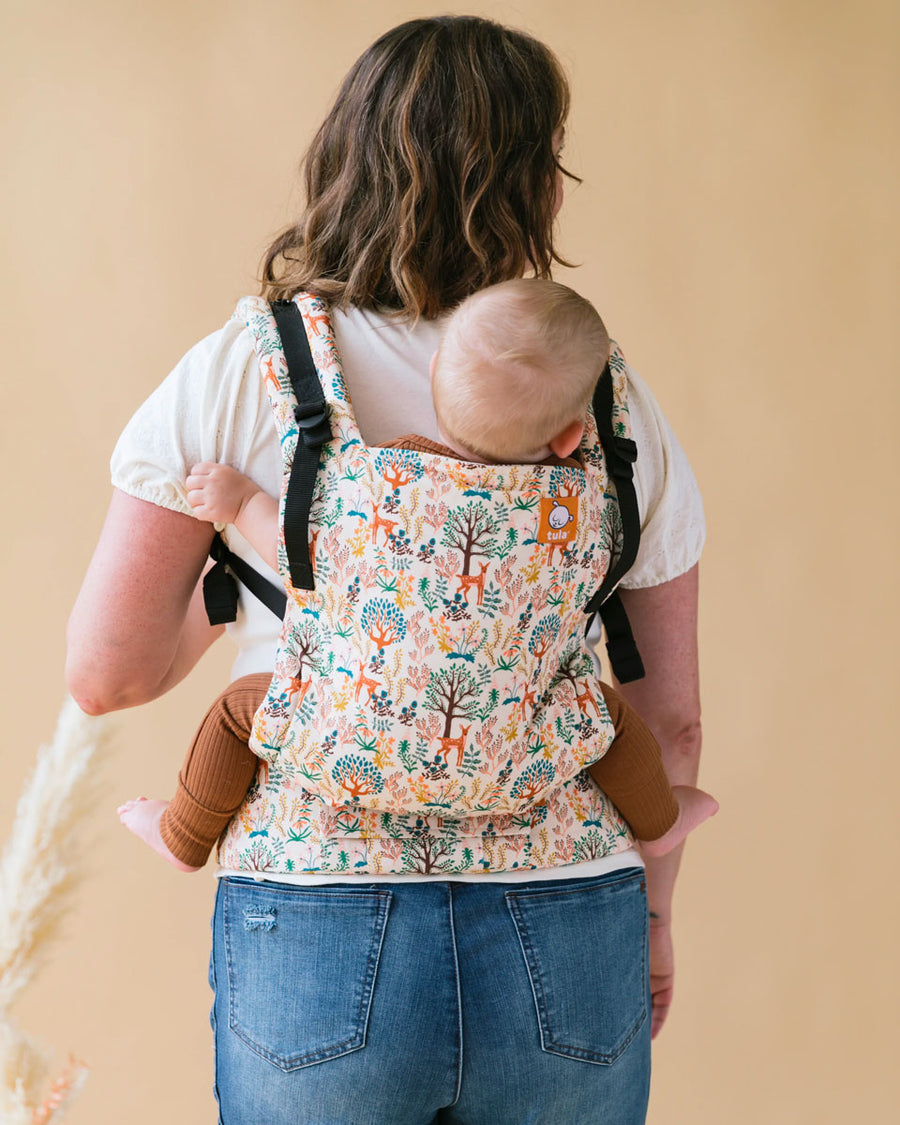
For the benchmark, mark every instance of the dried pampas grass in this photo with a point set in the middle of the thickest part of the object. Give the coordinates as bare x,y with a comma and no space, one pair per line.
38,870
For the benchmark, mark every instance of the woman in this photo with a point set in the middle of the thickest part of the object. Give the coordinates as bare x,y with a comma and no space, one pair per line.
520,996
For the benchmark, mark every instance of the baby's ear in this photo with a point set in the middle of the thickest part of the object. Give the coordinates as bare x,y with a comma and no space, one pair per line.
567,441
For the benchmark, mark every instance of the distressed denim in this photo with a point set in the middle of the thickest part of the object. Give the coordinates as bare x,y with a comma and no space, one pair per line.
457,1003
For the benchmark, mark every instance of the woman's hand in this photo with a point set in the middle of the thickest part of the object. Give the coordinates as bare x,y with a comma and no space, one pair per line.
664,621
662,972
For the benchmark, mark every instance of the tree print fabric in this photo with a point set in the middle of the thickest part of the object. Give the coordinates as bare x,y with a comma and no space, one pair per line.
434,706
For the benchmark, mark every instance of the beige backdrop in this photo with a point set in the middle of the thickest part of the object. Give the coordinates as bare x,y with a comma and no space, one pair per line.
737,228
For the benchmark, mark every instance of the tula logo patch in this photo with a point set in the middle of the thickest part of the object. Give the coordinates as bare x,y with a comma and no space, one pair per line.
559,519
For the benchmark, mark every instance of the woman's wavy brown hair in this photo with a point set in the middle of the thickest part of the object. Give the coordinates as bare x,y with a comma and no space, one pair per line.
433,175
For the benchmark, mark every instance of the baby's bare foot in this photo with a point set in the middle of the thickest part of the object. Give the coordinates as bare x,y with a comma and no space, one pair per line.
694,806
142,817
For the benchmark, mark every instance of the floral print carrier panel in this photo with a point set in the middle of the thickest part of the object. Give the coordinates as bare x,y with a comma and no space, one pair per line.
436,684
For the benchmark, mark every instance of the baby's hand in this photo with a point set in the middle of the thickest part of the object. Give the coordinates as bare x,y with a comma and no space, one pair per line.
218,493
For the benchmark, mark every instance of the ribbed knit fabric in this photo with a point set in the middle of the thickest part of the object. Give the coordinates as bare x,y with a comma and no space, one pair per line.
631,772
216,773
219,768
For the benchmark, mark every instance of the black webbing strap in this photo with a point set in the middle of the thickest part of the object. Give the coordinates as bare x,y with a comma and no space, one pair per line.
311,414
220,592
624,658
620,454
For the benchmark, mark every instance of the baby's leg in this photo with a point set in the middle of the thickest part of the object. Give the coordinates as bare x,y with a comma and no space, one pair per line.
213,781
694,806
142,817
631,773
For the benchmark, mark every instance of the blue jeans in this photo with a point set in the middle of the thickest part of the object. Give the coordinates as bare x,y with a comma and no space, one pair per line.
458,1003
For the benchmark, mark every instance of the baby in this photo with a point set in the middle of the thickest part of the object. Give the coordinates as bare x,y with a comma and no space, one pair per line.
494,403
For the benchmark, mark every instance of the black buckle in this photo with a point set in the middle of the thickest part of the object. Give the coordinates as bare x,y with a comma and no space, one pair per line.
312,419
220,595
624,659
625,454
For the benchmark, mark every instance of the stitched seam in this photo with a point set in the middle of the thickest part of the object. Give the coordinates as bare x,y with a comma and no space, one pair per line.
604,1058
599,1058
602,881
346,1046
365,1008
215,1021
532,965
459,1014
596,1058
226,929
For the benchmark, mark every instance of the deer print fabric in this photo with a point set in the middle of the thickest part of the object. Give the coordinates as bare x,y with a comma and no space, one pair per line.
434,706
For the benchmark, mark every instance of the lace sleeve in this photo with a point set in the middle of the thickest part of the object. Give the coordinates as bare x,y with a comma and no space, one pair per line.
672,523
206,410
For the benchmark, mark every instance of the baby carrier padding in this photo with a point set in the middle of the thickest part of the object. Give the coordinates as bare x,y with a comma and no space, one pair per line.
434,704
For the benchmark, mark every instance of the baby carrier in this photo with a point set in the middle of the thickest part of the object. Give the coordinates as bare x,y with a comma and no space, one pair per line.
432,675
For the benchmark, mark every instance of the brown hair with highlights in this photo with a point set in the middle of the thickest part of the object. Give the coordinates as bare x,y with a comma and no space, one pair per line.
433,175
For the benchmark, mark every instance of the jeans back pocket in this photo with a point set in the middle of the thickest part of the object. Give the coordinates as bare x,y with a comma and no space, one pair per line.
301,966
585,949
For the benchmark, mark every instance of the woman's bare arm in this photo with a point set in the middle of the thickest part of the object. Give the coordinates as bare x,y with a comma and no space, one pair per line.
127,637
664,621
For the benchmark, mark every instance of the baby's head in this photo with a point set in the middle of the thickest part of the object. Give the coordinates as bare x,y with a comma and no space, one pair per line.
516,369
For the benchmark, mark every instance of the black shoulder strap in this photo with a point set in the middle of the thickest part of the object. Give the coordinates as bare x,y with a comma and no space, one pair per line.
621,454
311,413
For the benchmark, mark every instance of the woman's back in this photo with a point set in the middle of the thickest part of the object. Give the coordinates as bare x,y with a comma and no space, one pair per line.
436,172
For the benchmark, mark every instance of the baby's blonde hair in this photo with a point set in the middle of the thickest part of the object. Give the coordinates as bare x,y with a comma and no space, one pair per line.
518,363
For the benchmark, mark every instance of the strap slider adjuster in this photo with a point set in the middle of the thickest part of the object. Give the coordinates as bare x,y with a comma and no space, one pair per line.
625,454
312,419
